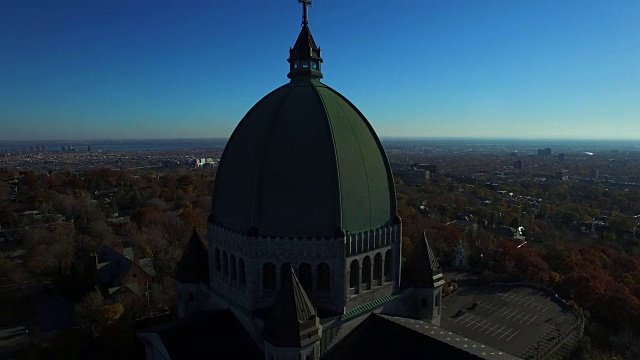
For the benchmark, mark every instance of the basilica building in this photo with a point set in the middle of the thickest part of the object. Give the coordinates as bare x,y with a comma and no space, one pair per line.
302,257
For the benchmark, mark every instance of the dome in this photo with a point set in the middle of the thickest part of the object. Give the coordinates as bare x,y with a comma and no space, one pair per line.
303,162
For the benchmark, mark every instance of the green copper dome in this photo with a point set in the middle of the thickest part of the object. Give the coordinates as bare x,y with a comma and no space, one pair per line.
303,161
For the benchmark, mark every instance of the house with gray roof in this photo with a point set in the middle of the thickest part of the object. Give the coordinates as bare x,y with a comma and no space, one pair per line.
119,269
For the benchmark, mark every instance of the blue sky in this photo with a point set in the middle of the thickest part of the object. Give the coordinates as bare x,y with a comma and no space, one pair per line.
166,69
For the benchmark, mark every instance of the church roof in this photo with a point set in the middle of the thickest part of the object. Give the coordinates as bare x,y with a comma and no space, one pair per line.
292,316
425,265
218,334
433,261
193,267
303,162
305,45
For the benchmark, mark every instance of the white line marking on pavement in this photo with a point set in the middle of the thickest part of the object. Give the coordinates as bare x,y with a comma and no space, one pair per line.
479,324
484,327
505,333
488,331
514,334
499,331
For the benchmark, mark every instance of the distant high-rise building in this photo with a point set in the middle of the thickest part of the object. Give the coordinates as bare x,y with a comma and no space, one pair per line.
62,147
518,164
544,152
89,148
562,175
69,148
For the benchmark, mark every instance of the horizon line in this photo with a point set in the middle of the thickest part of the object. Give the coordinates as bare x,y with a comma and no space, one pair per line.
392,137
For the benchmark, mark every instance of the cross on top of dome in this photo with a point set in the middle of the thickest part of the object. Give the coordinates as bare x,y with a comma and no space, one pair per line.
305,17
304,58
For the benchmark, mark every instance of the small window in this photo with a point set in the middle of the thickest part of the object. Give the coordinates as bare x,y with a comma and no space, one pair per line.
190,297
314,65
437,300
296,64
135,275
305,65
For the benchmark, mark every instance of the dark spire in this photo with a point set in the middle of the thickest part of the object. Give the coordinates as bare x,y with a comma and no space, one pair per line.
293,321
193,267
304,58
305,15
425,264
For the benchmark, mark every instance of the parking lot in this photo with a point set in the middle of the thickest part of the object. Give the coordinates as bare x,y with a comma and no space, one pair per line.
521,321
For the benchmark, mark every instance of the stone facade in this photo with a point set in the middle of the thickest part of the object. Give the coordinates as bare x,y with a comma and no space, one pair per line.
338,273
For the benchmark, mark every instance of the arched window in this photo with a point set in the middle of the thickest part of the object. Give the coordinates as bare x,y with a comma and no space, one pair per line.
225,264
324,277
387,265
242,274
216,259
366,273
354,275
304,271
234,268
284,268
377,270
269,276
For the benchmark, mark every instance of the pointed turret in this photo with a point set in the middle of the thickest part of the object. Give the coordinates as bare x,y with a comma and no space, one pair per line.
459,256
293,322
427,269
193,267
304,58
428,281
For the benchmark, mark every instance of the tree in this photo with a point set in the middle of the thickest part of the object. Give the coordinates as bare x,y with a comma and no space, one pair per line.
86,311
163,294
530,266
109,314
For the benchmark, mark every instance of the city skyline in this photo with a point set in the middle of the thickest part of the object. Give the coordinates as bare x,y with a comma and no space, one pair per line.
82,70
